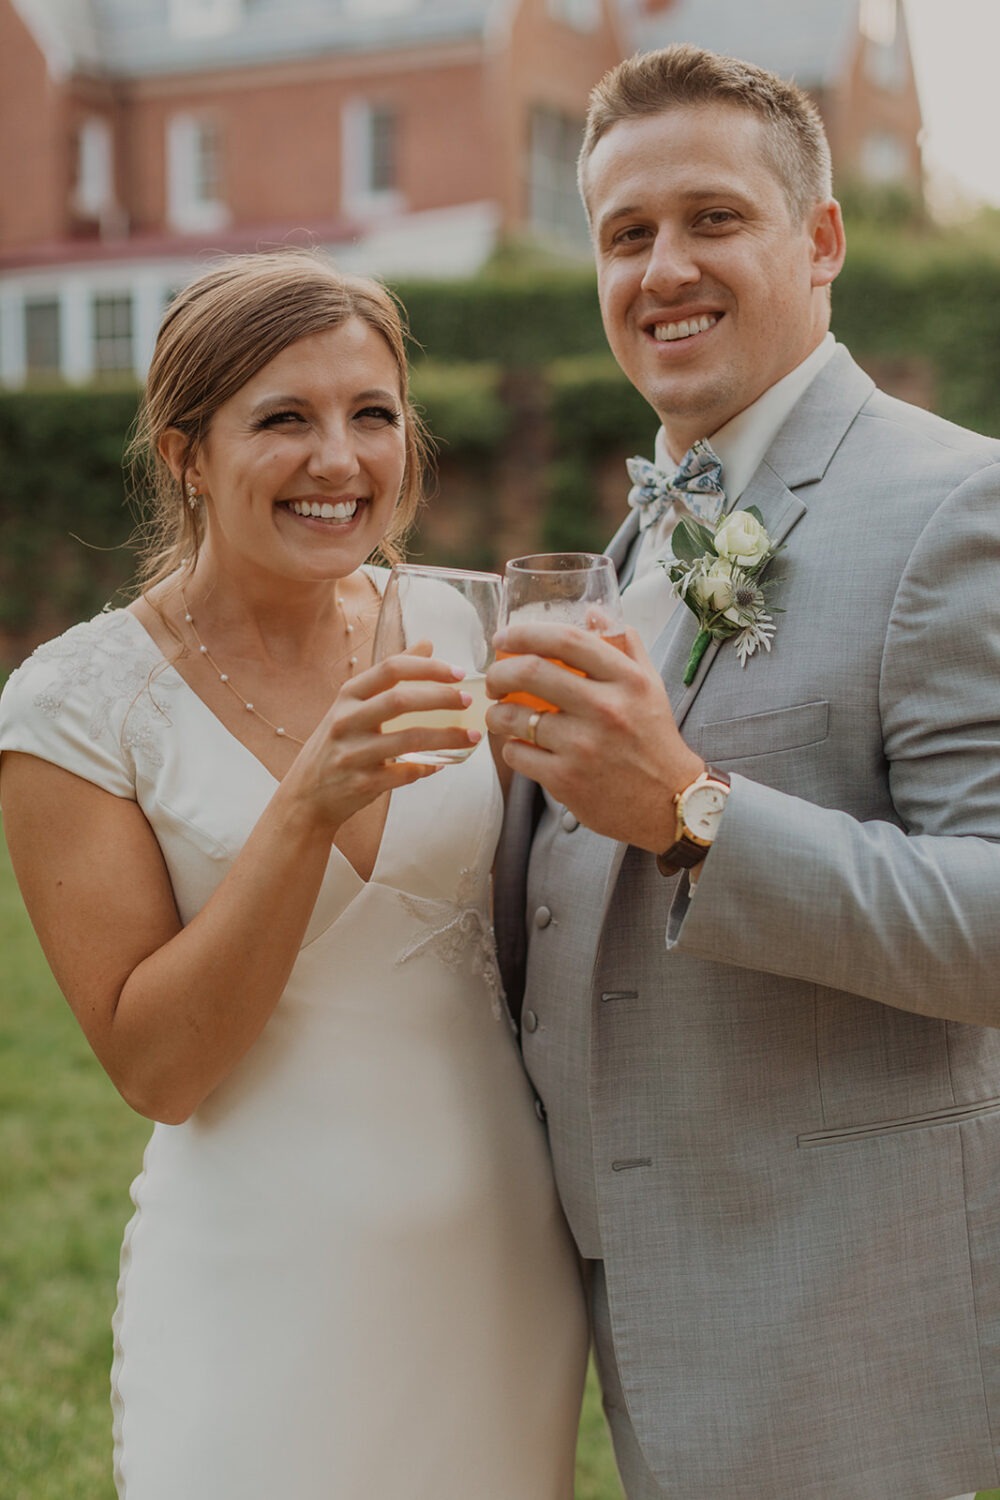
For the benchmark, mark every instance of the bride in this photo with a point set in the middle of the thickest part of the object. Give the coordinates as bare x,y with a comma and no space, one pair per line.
347,1273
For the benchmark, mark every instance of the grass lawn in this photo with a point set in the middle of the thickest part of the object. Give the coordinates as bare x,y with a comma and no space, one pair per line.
69,1148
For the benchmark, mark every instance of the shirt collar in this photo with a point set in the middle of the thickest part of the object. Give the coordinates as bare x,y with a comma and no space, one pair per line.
742,442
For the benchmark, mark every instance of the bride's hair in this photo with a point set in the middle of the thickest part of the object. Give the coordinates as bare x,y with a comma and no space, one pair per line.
215,335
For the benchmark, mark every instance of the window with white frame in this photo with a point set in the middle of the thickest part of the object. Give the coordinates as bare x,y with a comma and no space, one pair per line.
884,158
370,156
205,17
582,15
42,337
194,174
554,206
113,335
94,191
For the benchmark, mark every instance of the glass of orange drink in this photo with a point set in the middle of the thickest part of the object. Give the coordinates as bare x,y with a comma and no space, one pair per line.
562,588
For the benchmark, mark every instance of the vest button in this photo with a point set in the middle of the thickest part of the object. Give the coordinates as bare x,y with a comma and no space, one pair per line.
569,822
542,916
529,1021
541,1111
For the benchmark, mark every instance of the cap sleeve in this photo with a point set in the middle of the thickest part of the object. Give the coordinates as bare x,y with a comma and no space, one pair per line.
84,701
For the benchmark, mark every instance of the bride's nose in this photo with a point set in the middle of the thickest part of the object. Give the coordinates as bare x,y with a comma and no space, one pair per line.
334,455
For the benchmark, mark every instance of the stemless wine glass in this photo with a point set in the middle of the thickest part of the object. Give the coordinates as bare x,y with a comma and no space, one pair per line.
458,611
562,588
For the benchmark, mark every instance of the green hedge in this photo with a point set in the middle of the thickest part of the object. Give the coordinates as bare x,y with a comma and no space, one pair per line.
593,412
521,395
935,300
64,524
515,321
462,404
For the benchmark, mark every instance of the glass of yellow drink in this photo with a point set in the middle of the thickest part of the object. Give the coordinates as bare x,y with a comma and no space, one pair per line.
458,611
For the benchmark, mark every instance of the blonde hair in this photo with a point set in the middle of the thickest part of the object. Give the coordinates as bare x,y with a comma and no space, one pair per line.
653,83
215,335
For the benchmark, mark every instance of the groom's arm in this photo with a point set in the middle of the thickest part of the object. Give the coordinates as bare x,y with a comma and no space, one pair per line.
906,916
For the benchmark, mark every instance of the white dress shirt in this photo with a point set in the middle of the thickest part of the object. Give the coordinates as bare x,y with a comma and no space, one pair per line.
648,600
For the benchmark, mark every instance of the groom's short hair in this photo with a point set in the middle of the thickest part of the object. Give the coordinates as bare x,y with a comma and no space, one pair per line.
653,83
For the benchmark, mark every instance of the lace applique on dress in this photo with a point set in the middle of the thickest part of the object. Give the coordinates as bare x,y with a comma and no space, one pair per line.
459,929
92,656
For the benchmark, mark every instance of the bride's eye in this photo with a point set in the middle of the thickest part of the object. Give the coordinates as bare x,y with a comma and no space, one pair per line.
379,416
282,418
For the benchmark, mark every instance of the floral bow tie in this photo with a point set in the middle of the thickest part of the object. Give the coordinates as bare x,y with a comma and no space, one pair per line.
696,484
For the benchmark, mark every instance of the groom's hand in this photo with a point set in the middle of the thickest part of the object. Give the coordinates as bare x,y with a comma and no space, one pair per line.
612,753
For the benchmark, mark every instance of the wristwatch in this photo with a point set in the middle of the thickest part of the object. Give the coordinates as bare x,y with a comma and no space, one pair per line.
699,808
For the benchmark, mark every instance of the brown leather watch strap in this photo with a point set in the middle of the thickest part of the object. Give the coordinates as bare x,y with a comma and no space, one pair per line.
685,853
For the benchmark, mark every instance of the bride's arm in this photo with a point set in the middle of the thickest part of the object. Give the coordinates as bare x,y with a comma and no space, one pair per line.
170,1009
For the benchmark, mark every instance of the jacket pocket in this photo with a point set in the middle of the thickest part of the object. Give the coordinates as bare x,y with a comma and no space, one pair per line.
764,734
955,1114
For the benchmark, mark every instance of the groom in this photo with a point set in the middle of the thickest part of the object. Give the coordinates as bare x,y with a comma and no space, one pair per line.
755,920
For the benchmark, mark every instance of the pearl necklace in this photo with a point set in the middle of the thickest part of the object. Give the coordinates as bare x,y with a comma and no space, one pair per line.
224,678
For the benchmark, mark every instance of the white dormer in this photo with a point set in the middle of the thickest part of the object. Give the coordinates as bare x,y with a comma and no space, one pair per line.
582,15
372,8
885,54
879,20
193,18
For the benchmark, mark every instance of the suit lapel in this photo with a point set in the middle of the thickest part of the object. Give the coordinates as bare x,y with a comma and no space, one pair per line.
780,510
797,459
620,549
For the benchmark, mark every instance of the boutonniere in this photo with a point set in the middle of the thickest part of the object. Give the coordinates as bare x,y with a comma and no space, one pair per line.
719,578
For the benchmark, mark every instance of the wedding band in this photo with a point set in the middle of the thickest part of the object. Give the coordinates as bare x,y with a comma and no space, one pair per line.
534,719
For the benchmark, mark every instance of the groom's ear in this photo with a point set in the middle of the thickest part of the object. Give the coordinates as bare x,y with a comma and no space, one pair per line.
828,243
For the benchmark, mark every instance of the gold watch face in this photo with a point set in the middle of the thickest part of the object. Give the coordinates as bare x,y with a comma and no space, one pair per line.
701,810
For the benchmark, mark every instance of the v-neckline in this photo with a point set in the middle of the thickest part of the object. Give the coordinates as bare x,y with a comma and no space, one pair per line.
168,667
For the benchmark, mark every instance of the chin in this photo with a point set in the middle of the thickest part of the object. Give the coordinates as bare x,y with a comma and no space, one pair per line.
705,405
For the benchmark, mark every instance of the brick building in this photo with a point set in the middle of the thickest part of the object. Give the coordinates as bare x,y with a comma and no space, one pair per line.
410,137
852,56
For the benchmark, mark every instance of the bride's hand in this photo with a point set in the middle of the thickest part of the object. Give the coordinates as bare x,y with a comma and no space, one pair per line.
347,762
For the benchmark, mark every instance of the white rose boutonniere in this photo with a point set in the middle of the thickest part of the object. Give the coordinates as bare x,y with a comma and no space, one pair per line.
713,586
741,538
719,578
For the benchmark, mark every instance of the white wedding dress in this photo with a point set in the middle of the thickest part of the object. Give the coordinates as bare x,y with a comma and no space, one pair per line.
347,1276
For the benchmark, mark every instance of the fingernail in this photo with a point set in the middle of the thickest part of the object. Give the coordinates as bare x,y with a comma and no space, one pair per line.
457,672
475,735
500,639
466,699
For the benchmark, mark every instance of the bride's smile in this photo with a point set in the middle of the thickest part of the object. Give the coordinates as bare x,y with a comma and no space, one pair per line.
301,469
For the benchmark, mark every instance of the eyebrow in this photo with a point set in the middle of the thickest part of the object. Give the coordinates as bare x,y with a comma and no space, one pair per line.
691,195
266,402
616,213
375,393
378,393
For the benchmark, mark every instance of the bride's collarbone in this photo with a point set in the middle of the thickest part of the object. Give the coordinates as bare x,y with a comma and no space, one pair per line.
272,712
306,703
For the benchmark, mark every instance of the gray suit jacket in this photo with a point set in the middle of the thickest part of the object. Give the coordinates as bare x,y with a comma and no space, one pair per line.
774,1106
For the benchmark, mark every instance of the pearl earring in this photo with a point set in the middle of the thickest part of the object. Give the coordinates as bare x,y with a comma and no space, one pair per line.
194,499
